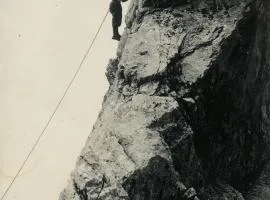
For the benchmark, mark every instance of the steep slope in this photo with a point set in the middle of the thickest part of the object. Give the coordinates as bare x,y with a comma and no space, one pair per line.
187,112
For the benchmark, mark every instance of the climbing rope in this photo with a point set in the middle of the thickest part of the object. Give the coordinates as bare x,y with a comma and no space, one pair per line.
56,109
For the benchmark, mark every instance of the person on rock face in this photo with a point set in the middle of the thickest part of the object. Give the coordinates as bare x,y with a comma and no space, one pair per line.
116,11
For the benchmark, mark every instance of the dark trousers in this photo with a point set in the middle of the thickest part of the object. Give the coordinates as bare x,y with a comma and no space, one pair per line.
115,30
116,22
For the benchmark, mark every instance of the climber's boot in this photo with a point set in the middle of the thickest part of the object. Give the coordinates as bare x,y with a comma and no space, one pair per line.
116,37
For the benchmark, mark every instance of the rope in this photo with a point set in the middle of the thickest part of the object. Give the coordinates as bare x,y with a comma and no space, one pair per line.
56,109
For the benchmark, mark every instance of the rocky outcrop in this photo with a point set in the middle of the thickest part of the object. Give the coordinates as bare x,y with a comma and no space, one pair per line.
186,116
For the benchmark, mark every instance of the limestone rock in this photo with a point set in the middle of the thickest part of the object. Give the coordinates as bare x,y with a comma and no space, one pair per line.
187,112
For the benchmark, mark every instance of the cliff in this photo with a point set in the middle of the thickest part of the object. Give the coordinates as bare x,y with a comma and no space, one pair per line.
187,114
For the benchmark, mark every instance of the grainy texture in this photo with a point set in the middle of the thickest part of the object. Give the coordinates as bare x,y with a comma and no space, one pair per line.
186,116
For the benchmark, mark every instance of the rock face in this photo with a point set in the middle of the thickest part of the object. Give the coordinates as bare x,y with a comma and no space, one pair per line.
187,114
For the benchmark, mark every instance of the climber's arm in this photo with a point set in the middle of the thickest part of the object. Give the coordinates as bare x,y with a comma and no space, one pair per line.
113,8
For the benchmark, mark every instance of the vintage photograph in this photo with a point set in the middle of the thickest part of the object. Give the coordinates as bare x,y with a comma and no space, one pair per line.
135,100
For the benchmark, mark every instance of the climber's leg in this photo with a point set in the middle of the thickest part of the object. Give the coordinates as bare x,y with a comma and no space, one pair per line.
116,35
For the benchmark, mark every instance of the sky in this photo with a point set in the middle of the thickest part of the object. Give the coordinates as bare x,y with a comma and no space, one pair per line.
41,45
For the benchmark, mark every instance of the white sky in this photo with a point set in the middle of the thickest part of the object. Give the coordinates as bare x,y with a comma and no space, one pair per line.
41,46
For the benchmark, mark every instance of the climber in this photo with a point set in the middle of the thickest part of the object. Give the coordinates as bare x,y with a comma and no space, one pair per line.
116,11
